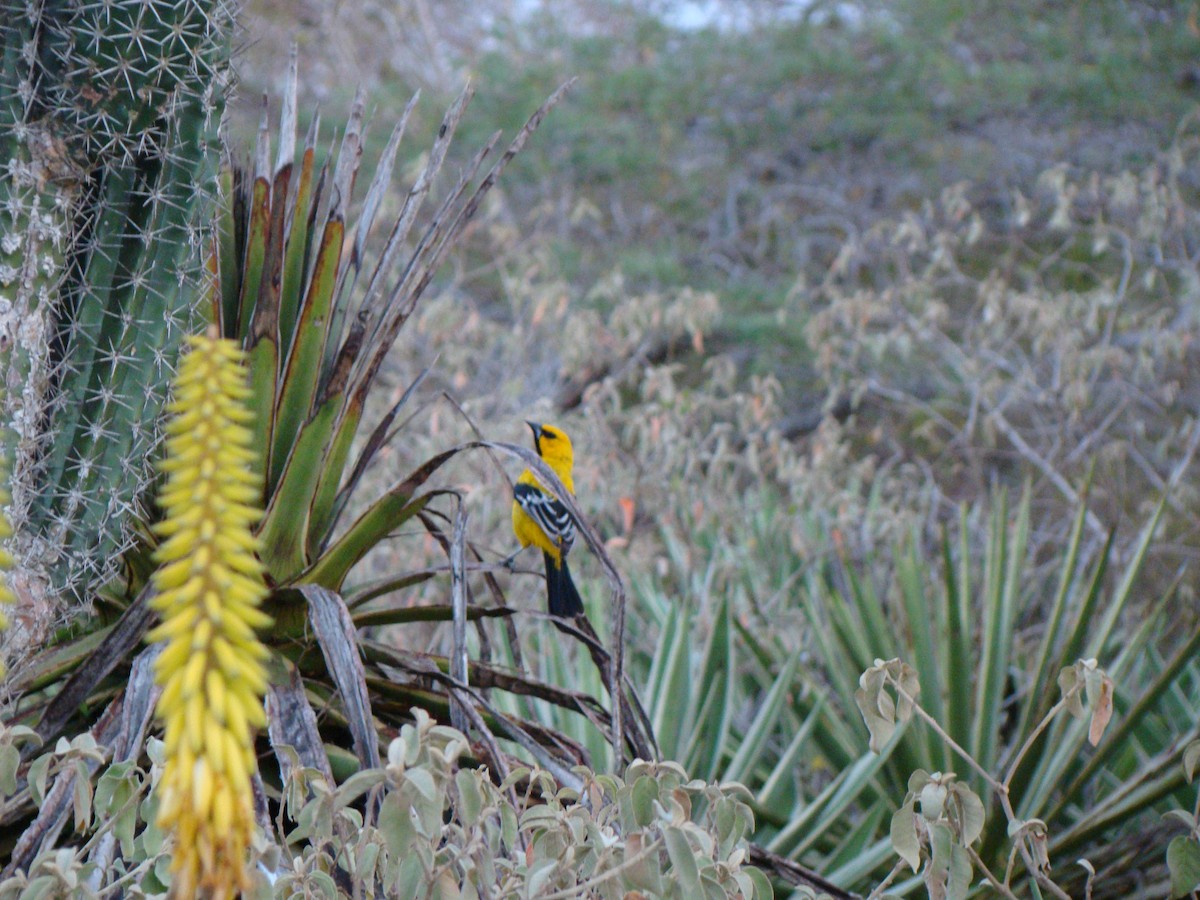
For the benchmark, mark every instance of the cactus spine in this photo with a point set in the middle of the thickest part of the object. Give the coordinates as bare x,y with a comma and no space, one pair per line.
127,96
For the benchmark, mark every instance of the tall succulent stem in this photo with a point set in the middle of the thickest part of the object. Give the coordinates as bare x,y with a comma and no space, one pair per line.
109,127
39,190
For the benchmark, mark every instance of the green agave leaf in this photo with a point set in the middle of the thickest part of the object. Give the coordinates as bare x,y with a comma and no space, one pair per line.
297,394
669,676
1072,647
870,859
1045,769
925,617
864,623
298,244
267,306
1058,611
854,631
229,273
714,721
262,361
1160,779
383,516
1002,567
555,665
762,728
254,262
262,348
1148,698
822,813
283,526
265,354
778,795
753,639
330,500
846,792
959,637
1034,777
52,664
1101,635
297,391
858,840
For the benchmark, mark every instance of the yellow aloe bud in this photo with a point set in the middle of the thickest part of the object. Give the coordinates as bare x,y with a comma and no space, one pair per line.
209,585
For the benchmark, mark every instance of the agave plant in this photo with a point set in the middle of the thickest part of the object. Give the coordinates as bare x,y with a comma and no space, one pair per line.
779,714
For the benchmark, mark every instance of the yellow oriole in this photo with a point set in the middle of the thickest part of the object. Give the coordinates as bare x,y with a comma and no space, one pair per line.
538,519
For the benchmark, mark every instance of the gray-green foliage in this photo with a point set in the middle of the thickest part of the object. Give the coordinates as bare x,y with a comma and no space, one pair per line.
950,819
993,340
755,680
1183,853
108,132
438,828
443,829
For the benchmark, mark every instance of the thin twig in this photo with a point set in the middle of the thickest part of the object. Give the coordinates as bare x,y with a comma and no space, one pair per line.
1036,733
882,887
458,602
929,720
1000,886
1004,427
628,863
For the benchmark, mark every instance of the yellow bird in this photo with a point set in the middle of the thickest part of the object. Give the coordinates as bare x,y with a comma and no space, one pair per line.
538,519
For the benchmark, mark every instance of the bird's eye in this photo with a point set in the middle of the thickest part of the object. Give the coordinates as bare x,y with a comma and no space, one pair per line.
548,435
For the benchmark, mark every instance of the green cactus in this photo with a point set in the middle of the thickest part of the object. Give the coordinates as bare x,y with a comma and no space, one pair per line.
39,188
130,93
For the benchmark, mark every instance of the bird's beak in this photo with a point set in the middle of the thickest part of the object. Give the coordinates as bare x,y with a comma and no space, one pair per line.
536,426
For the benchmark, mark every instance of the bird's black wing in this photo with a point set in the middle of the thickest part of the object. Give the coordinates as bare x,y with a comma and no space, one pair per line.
550,514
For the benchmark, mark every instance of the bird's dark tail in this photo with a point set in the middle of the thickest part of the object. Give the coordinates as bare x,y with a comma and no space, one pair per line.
560,589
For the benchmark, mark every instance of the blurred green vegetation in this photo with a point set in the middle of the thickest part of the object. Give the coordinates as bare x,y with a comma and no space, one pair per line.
738,161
